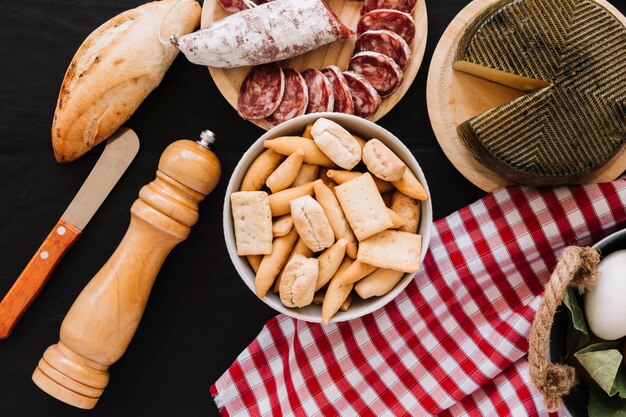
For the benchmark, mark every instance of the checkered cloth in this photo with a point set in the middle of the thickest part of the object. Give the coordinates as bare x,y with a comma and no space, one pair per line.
454,342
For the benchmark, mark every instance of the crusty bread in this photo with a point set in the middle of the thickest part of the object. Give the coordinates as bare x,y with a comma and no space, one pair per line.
113,71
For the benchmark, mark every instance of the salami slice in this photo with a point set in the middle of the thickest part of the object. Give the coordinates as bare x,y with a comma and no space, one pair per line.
321,97
380,70
405,6
234,6
387,43
386,19
295,99
365,97
341,90
261,92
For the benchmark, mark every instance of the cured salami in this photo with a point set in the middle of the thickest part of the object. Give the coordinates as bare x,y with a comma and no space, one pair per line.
380,70
365,97
270,32
387,43
406,6
321,97
295,99
386,19
261,92
341,90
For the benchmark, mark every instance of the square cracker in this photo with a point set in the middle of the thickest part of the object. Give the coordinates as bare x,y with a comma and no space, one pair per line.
253,222
363,206
392,250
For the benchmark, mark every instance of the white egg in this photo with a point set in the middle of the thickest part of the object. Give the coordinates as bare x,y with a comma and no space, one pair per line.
605,304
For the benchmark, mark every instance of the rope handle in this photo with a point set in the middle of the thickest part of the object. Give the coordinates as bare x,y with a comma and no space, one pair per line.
576,267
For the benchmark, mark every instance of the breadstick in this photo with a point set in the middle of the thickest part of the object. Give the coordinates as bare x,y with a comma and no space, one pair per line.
378,283
356,271
299,248
411,186
282,225
254,261
344,176
307,131
286,145
274,262
409,209
336,295
329,262
325,178
361,141
307,173
286,173
336,217
260,170
280,203
318,299
346,304
398,220
387,197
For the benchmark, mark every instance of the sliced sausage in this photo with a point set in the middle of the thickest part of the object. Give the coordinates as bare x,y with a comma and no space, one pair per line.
387,43
406,6
341,90
261,92
386,19
365,97
321,97
380,70
295,99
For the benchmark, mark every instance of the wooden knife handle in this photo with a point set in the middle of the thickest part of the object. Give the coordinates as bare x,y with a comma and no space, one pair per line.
35,275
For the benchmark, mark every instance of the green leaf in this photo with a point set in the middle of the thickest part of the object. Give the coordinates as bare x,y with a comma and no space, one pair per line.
578,318
602,406
602,361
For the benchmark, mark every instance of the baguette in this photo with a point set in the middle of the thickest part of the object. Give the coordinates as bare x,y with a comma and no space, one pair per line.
113,71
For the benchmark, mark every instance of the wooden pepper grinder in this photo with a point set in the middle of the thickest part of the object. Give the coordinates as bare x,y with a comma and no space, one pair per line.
103,319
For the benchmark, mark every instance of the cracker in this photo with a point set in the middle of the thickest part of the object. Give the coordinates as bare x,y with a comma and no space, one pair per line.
252,219
391,249
363,206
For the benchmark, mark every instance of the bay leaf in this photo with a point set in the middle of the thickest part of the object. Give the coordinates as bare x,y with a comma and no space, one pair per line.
576,313
602,361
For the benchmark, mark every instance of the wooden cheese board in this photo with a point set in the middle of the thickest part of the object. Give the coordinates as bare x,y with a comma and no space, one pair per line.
228,80
454,97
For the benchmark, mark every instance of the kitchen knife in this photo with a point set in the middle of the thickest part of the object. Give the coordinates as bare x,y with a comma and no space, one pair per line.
119,152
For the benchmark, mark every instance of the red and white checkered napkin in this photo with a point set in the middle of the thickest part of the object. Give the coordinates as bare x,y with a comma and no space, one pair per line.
454,342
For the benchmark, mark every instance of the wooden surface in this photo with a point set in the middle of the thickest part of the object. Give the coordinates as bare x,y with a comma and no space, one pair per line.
34,277
229,81
103,319
201,315
454,97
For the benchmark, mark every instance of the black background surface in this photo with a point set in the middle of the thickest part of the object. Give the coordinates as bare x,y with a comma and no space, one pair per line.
200,315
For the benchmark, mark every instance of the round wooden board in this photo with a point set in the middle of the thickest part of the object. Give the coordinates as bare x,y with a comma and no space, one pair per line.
228,80
454,97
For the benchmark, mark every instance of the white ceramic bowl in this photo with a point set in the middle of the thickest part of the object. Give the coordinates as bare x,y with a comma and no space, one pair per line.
295,127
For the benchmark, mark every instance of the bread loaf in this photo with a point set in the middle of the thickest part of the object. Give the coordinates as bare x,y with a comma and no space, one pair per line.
113,71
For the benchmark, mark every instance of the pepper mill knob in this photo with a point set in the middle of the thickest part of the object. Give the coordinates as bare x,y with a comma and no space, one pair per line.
102,321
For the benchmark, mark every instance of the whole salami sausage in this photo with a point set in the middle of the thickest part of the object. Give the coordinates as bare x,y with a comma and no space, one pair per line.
261,92
380,70
387,43
406,6
365,97
321,97
341,90
295,99
386,19
270,32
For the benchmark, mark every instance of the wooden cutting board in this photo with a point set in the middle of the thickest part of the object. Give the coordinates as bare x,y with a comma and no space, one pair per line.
454,97
228,80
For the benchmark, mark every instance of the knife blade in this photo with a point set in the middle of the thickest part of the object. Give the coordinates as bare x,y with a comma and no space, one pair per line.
119,152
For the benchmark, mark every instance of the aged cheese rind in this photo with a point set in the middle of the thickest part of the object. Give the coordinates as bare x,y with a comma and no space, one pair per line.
574,126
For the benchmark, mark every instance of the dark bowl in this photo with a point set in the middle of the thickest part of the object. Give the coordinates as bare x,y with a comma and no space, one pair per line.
576,402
